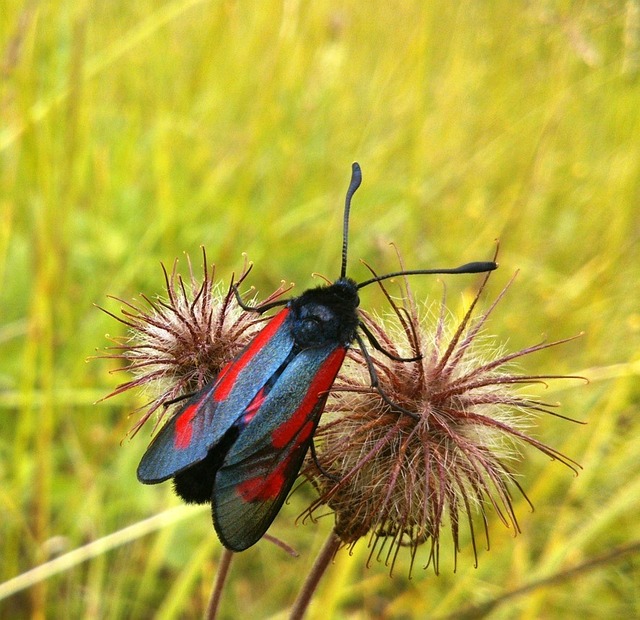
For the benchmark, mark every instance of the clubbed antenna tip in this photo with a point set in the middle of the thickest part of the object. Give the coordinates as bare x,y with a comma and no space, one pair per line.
356,179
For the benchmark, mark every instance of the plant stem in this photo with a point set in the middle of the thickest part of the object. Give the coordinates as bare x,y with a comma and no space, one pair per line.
313,579
608,558
218,587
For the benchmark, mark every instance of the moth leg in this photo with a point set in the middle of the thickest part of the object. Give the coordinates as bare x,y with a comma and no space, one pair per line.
375,382
259,309
378,347
321,469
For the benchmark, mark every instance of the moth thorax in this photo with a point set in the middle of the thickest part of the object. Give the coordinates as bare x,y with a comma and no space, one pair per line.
326,314
317,325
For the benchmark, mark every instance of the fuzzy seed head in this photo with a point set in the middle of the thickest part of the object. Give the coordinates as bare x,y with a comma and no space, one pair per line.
176,345
437,449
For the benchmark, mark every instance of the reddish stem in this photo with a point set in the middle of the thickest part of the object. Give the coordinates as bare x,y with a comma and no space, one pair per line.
221,577
313,579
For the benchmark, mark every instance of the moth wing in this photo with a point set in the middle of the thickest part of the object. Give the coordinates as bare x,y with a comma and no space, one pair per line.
262,465
181,442
189,435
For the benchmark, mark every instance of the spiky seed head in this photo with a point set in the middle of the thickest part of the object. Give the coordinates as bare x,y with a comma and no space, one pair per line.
177,344
444,455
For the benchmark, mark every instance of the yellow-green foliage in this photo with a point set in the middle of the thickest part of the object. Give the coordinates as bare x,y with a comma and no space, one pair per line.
131,132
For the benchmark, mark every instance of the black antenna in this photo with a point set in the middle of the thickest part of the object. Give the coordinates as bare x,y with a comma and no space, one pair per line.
356,179
476,267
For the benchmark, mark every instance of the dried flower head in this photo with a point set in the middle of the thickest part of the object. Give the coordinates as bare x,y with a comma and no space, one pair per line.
176,346
443,455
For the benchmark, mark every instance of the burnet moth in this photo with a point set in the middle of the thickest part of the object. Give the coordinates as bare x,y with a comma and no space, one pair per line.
239,443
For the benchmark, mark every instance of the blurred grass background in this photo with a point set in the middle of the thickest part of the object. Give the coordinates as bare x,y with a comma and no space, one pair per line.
131,133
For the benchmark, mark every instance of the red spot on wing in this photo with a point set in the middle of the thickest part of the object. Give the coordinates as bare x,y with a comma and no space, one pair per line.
253,407
184,429
230,374
269,487
305,432
224,370
284,434
264,489
298,427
